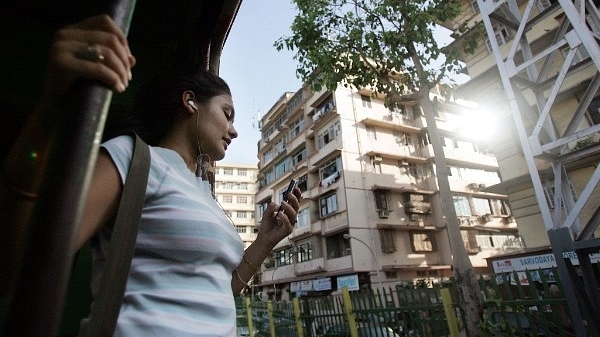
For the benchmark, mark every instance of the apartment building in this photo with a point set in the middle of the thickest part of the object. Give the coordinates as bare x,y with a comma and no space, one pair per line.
235,186
371,210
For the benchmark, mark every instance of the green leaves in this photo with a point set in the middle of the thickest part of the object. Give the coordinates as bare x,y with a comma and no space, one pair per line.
388,45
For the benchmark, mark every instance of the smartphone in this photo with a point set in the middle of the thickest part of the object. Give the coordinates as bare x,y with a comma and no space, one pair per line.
289,190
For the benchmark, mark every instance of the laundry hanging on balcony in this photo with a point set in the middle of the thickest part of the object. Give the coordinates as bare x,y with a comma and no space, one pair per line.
329,180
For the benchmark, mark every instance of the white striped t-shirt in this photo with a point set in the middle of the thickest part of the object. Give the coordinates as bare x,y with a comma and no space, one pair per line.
180,278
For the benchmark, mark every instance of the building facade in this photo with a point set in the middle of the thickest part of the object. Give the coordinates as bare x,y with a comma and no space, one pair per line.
235,187
371,211
561,102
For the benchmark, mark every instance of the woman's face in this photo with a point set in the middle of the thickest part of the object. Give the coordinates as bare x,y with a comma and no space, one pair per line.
215,126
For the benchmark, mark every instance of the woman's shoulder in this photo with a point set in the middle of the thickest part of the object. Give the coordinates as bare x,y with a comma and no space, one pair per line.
122,142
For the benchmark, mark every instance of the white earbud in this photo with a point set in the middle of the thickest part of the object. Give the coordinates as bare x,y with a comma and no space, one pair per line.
192,104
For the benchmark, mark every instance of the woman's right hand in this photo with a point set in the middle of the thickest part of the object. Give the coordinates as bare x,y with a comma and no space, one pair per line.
108,58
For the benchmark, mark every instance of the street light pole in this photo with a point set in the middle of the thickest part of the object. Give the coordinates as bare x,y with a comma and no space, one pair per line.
348,237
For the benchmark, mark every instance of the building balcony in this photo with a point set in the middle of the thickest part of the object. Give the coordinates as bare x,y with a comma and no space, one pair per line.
417,207
398,156
338,264
310,267
471,157
392,122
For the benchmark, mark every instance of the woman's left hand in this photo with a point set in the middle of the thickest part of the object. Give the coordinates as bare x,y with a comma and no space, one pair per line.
277,225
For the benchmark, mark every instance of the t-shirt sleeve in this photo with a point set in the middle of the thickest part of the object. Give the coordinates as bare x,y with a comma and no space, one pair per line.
120,150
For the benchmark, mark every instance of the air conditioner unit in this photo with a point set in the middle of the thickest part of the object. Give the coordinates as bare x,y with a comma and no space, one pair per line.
383,213
403,163
485,218
414,217
377,158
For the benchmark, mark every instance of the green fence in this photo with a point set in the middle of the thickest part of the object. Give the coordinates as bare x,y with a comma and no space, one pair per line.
516,304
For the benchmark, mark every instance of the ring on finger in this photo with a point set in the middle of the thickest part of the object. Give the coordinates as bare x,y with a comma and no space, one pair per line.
90,53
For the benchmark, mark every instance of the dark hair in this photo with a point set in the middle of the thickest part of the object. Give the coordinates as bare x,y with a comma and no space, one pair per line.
158,101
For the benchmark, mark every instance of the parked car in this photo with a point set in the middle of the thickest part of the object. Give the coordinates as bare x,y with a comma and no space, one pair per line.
376,331
337,331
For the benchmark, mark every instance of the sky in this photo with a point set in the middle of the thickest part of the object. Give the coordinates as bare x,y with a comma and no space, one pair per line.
256,72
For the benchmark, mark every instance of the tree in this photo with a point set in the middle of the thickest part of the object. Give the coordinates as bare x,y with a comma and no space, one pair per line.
389,46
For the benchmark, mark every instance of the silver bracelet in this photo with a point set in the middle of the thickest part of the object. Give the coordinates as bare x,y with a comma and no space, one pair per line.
246,284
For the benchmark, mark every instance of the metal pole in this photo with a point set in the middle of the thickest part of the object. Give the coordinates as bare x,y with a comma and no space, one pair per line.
37,307
348,237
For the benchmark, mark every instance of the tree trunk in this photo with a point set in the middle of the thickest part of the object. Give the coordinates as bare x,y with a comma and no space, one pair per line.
470,298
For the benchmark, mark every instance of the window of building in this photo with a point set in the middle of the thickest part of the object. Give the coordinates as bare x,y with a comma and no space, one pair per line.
263,206
422,241
481,206
305,252
243,186
499,207
381,199
470,240
330,134
282,167
376,166
593,111
337,246
544,4
366,101
240,229
242,172
284,257
502,36
328,205
227,199
227,212
489,240
467,173
242,214
387,238
330,168
322,109
303,217
423,139
228,171
415,171
281,192
241,199
297,127
303,183
299,156
371,133
269,176
228,185
402,138
461,205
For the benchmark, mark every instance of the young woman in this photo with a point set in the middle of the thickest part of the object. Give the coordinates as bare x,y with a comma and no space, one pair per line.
189,261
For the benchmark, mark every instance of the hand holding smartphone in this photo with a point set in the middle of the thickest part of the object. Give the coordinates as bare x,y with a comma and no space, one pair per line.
289,190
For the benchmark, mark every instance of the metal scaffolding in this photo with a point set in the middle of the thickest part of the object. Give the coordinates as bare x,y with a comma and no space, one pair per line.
533,90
